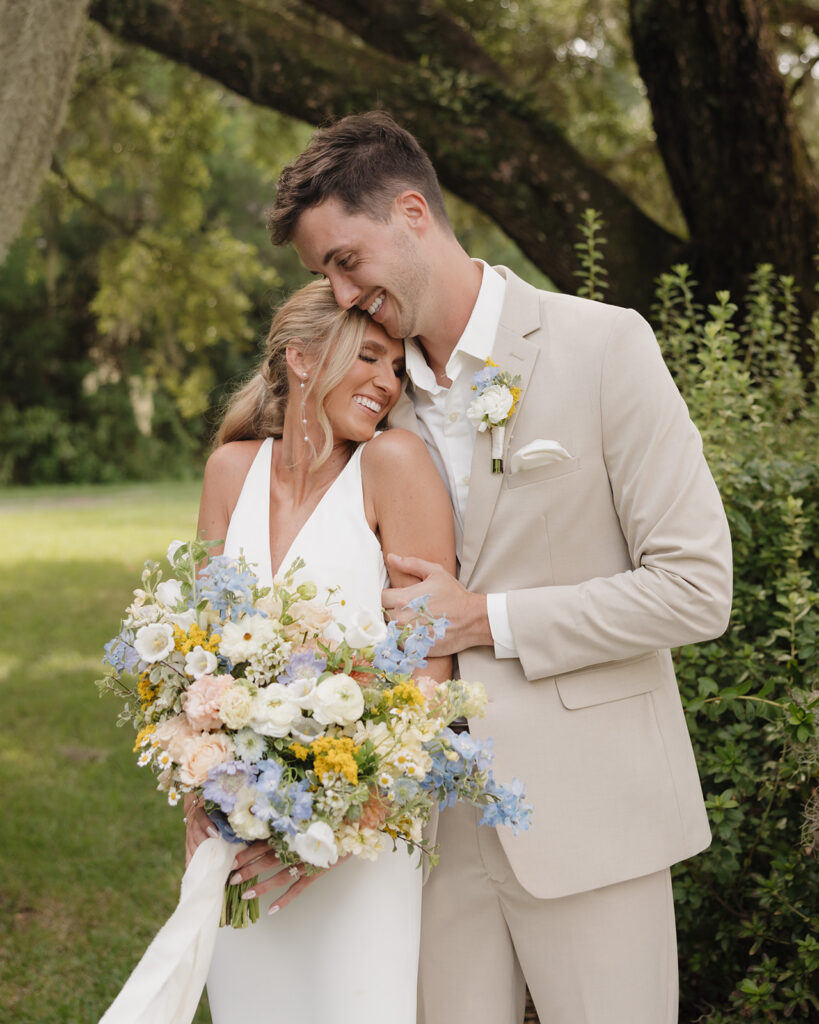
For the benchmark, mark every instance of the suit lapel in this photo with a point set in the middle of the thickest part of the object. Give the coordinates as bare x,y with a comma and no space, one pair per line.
515,354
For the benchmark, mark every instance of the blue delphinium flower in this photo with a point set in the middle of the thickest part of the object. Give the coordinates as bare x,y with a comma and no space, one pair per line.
390,657
227,587
223,827
447,775
122,656
483,378
225,781
286,808
304,665
509,807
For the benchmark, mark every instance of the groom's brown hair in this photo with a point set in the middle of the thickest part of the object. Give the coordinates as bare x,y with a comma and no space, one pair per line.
363,160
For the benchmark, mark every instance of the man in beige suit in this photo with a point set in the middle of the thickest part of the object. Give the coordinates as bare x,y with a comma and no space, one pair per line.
602,544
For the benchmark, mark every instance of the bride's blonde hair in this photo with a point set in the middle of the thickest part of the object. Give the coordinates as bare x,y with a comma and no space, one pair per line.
310,320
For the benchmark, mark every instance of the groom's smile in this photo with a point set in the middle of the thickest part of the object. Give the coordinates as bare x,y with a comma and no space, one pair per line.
372,264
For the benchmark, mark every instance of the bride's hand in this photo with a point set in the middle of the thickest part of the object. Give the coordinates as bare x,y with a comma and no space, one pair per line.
258,859
199,826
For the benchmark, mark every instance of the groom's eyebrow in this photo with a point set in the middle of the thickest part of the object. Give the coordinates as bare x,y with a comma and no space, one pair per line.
329,255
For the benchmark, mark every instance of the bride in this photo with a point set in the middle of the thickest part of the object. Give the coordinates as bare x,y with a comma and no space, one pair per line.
300,471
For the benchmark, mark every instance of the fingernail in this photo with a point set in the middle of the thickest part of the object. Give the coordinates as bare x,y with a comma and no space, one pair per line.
249,894
235,879
274,909
212,832
235,865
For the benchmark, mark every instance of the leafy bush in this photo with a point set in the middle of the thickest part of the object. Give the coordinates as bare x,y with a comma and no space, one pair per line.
747,914
746,909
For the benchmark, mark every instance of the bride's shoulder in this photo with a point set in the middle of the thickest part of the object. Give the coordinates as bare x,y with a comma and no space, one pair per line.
395,449
232,461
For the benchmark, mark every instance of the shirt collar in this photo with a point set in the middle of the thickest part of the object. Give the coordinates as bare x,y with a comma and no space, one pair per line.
475,342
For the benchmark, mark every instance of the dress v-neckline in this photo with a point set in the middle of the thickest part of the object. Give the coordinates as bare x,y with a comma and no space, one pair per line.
287,557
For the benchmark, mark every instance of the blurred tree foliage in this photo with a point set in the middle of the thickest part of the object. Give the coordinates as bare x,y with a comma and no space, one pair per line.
494,89
144,279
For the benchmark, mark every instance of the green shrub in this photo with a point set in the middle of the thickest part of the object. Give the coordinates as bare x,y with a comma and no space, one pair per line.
747,914
746,909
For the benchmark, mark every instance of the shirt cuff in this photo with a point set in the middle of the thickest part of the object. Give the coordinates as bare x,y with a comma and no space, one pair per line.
499,626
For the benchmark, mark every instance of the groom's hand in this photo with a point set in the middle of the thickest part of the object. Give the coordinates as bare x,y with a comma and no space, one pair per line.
469,624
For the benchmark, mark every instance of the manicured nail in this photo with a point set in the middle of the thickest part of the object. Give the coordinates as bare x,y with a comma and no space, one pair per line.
249,894
235,879
212,832
274,908
235,865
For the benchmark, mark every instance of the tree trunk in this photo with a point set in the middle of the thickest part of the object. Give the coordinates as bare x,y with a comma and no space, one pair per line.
39,45
726,132
488,146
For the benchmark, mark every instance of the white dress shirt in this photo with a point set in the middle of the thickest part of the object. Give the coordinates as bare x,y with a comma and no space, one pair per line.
443,422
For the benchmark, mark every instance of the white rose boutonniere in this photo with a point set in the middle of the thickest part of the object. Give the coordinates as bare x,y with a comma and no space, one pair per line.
492,408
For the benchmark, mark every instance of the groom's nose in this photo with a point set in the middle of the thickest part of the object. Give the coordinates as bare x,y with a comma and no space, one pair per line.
346,293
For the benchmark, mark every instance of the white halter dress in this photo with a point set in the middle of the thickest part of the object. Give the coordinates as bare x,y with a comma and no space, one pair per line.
346,949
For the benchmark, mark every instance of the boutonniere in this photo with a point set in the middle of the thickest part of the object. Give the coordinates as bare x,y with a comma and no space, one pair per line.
498,394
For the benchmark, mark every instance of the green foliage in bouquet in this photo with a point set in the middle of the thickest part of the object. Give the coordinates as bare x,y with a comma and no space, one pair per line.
747,911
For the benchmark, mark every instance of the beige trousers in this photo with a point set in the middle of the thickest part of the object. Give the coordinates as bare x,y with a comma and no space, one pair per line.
608,956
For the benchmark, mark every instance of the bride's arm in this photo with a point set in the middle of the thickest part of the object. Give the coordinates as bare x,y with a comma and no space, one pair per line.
409,509
225,472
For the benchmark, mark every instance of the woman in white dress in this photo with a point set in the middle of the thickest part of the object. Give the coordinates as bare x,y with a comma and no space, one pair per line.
299,471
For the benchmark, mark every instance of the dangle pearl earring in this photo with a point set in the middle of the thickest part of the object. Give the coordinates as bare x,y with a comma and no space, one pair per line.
303,408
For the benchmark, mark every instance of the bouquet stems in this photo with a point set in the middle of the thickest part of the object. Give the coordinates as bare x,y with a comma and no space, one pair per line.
236,912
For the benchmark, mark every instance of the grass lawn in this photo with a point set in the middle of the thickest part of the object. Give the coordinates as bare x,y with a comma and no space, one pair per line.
90,854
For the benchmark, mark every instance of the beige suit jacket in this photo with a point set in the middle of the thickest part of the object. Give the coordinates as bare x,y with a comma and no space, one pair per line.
609,559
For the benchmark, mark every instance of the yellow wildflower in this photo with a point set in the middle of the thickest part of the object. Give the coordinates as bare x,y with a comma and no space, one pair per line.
142,735
335,755
195,637
301,752
403,695
145,691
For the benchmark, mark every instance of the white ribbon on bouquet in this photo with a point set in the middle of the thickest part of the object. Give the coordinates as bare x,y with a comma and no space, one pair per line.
166,985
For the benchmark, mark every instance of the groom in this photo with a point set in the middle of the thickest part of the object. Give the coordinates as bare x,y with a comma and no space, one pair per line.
601,544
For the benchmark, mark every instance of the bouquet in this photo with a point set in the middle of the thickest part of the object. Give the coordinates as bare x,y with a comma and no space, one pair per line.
320,738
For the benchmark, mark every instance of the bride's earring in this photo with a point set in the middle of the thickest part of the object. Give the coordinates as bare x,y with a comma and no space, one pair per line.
303,408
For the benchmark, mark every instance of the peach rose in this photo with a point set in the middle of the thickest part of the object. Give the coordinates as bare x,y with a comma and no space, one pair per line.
174,735
202,754
426,684
309,615
201,702
374,812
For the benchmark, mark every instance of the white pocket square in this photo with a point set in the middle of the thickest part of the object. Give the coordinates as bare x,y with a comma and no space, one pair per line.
538,453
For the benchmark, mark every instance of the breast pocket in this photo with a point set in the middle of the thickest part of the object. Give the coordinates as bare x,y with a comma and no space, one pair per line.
552,471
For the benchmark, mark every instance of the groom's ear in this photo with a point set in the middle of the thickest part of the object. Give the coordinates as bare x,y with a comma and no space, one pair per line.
412,207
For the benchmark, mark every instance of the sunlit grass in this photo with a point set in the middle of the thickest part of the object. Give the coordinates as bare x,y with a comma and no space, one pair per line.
90,855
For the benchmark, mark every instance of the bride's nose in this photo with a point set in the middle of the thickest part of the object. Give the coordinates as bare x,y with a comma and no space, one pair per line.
387,380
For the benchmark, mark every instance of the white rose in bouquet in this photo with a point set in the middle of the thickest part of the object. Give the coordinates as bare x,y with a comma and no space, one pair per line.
236,707
273,712
338,700
317,845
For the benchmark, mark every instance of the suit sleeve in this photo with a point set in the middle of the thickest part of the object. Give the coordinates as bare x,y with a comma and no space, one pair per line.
671,516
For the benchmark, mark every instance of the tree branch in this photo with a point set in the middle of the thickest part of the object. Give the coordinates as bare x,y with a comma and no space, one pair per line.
412,30
490,148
